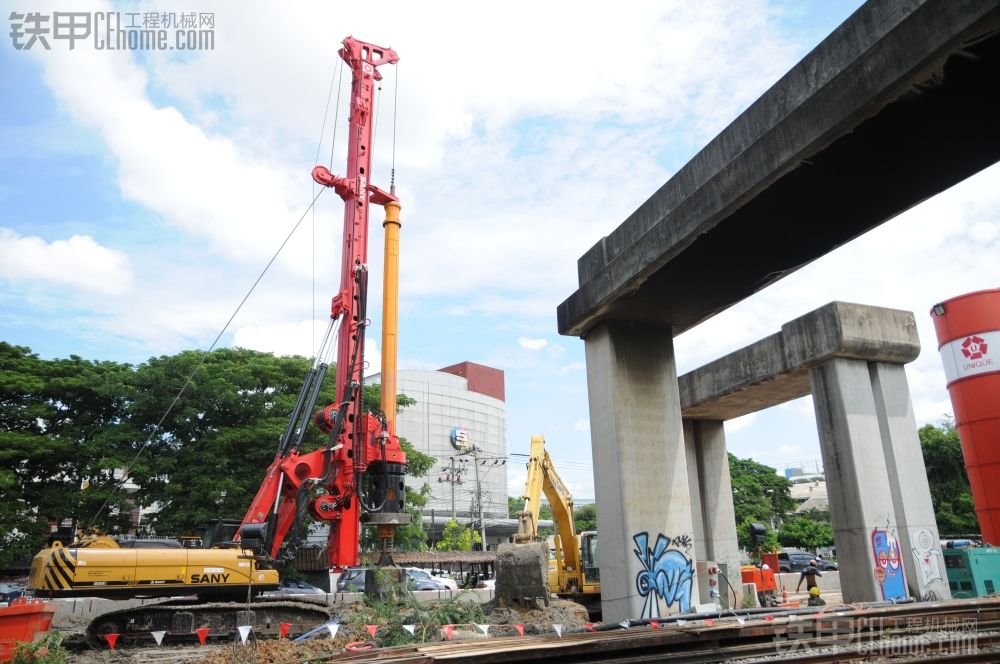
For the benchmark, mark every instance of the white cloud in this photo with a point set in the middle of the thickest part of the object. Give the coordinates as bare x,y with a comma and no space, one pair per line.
528,343
79,262
744,422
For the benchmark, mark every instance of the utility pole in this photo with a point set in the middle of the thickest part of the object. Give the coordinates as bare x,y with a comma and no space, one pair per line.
452,482
479,498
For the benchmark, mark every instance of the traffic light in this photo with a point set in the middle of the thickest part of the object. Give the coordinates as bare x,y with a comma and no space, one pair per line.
758,533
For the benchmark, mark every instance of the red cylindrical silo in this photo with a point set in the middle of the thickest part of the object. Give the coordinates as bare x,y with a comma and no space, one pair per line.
968,332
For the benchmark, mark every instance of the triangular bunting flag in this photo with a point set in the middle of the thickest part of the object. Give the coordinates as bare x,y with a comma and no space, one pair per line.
740,620
448,629
655,624
520,629
681,623
625,624
372,629
768,618
244,631
333,627
285,628
709,622
792,618
485,629
112,639
558,628
202,633
410,628
158,636
589,627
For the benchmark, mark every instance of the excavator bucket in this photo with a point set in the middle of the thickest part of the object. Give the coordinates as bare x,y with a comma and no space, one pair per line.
523,575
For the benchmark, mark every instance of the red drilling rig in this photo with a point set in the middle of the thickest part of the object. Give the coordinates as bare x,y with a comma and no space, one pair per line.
357,477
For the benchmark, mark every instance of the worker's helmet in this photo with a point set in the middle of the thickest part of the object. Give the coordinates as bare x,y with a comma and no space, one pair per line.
812,562
814,591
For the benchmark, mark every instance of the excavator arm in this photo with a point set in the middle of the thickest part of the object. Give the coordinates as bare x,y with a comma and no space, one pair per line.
543,478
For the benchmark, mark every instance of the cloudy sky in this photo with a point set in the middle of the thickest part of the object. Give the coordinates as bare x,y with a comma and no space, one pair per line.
141,193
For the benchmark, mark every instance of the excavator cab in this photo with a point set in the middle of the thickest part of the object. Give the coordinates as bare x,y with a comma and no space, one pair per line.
588,557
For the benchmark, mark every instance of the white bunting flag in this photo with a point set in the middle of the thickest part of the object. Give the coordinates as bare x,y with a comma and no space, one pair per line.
410,628
740,620
158,636
558,629
681,623
792,618
244,632
485,629
625,624
333,627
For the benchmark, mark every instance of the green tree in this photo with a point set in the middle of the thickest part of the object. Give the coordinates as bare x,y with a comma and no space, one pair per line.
207,458
585,517
63,433
759,495
805,533
455,537
949,483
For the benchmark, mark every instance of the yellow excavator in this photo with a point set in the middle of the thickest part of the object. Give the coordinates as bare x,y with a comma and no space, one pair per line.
526,575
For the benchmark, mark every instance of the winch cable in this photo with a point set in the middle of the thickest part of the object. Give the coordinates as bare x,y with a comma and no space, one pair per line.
128,469
338,70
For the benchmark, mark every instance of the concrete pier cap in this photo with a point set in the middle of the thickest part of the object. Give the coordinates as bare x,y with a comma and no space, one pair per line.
776,369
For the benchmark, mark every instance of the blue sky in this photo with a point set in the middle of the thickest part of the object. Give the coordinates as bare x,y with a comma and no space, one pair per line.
141,194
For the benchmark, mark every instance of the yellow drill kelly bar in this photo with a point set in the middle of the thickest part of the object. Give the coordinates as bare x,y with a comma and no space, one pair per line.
390,306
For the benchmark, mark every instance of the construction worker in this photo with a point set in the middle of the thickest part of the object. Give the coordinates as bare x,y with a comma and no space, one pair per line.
814,598
809,573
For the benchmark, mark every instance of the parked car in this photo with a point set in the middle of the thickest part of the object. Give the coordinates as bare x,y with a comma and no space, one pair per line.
442,576
796,560
352,580
447,582
291,587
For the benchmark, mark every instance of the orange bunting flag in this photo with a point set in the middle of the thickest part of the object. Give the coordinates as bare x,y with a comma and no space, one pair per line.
589,627
655,624
202,633
520,629
372,629
112,639
285,628
448,629
709,622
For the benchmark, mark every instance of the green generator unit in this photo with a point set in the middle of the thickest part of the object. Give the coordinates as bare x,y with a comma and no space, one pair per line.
973,571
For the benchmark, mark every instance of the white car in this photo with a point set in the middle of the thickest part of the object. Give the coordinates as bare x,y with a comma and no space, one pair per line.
451,584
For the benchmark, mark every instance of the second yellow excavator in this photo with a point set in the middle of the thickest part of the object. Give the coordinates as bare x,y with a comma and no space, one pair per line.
525,573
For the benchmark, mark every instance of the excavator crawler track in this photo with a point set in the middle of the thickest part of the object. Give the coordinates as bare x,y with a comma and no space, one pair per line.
180,619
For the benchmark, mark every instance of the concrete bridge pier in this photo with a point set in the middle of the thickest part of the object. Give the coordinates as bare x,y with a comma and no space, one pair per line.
918,531
882,516
641,472
712,505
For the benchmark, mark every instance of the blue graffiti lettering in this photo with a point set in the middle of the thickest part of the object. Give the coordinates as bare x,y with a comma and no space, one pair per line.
667,575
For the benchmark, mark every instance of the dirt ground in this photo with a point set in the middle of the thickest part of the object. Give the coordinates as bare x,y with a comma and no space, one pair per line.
502,623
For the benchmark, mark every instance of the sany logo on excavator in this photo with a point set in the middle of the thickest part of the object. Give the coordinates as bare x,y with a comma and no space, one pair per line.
209,578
